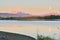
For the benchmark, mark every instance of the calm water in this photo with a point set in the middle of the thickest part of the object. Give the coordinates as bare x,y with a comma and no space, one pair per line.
31,28
36,23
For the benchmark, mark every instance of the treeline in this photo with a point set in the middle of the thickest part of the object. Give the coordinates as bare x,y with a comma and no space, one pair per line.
12,18
51,17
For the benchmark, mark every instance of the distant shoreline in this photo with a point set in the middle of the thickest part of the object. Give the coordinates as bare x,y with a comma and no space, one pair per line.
33,18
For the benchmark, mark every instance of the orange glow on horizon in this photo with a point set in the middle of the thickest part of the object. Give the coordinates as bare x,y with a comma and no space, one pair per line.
13,11
41,12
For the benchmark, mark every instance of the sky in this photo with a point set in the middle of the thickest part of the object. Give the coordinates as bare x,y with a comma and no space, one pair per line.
40,7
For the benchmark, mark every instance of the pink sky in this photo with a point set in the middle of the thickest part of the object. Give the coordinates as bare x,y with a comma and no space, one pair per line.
35,7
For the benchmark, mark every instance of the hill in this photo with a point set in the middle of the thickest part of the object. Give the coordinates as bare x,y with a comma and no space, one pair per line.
15,15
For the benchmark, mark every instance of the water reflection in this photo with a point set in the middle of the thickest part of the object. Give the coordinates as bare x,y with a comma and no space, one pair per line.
26,30
51,29
32,30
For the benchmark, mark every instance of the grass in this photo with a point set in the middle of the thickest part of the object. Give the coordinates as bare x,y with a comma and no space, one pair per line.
44,38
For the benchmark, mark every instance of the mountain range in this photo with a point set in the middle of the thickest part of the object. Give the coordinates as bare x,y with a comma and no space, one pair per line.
15,15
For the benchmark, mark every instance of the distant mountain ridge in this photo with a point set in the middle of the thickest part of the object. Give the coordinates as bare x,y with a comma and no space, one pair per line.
14,15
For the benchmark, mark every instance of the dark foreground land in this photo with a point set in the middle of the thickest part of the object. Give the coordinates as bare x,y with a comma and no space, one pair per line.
13,36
